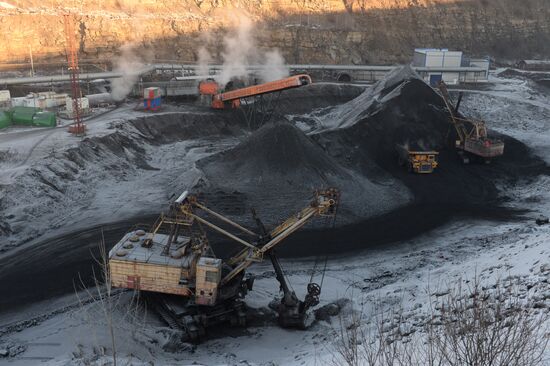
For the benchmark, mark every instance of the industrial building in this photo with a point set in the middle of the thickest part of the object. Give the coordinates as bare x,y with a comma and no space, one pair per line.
452,67
534,65
42,100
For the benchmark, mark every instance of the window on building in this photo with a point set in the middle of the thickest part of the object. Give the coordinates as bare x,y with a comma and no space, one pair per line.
212,276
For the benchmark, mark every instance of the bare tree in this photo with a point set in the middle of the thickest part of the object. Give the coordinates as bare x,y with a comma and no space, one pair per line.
470,325
119,309
482,326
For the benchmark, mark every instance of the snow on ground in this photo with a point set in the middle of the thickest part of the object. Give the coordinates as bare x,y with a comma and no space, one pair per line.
513,107
406,275
403,275
104,190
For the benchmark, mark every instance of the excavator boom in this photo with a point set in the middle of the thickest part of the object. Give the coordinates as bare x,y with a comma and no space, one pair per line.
471,134
323,204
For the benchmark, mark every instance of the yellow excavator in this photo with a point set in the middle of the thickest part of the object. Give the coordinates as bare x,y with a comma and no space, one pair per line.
192,289
472,140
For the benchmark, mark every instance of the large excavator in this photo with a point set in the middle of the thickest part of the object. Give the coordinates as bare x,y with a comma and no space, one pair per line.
472,140
192,289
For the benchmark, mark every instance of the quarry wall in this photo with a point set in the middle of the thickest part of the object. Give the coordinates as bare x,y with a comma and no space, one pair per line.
305,31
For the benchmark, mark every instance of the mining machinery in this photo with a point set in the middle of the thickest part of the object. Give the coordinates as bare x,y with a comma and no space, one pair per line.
232,98
176,269
257,103
472,140
416,161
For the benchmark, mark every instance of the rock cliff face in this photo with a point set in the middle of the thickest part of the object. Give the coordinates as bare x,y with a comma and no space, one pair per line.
306,31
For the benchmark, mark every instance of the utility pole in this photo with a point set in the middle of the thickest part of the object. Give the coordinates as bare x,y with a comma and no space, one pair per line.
32,61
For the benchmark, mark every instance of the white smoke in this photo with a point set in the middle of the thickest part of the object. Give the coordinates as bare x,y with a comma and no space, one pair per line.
129,64
204,59
273,66
240,52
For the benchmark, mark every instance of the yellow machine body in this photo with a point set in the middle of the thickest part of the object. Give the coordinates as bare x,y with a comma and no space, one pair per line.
423,162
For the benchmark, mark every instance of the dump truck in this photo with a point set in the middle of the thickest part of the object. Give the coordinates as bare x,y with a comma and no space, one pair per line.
175,267
420,162
472,139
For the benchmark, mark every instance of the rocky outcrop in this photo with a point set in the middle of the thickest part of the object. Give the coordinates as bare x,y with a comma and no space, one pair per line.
306,31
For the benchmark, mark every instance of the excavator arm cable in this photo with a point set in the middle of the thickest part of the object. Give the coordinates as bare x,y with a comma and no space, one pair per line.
224,219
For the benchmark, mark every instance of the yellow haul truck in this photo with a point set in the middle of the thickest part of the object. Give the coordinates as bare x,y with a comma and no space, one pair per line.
420,162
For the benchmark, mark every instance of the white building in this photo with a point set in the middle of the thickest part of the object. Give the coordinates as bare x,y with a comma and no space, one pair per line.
452,67
83,104
42,100
5,99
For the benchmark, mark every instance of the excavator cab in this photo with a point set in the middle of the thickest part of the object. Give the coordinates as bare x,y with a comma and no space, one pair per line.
207,280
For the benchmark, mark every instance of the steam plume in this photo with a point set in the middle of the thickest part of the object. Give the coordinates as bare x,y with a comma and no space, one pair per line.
273,67
203,61
129,64
240,52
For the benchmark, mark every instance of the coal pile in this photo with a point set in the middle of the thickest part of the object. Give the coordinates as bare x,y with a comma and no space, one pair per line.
403,110
314,96
352,146
276,170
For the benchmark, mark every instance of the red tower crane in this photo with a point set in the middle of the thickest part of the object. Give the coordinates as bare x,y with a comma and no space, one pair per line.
77,128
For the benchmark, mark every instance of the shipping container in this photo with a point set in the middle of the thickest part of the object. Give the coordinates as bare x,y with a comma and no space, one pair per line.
151,93
151,104
23,115
18,102
36,102
5,120
5,95
56,100
44,119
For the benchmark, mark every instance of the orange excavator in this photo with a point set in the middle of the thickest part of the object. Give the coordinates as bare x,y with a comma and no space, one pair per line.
472,140
232,98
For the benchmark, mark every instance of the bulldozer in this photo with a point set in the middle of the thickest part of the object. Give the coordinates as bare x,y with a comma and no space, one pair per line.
175,267
472,142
